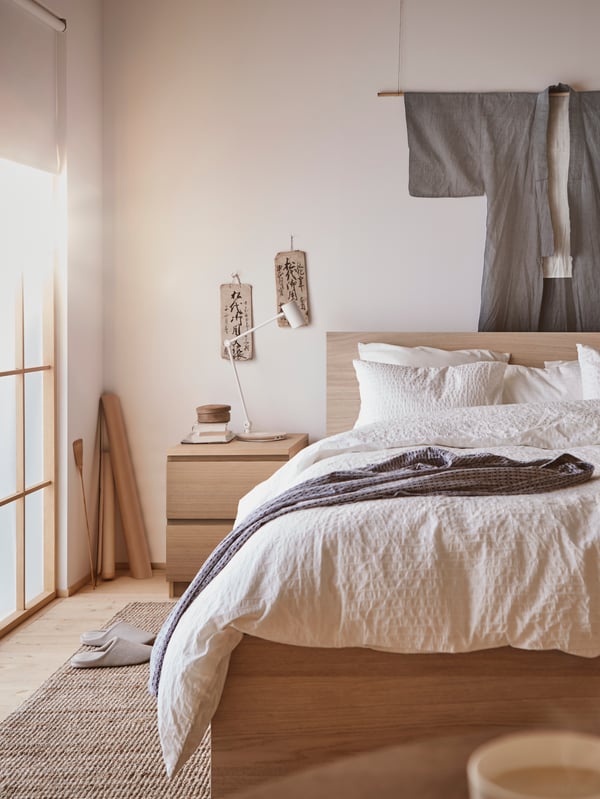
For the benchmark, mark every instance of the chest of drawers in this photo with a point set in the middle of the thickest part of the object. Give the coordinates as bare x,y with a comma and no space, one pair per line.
204,485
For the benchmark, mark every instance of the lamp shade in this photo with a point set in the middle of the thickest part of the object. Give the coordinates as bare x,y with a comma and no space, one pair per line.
293,314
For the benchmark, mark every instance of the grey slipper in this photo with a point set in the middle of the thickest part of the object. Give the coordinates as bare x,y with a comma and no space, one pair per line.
120,629
117,652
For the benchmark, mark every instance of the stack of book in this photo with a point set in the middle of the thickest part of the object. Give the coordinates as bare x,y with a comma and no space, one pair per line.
211,427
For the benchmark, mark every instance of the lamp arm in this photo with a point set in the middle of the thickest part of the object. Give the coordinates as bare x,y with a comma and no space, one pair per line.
293,315
247,422
256,327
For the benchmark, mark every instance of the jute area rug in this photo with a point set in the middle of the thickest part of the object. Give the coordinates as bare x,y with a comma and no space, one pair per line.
93,733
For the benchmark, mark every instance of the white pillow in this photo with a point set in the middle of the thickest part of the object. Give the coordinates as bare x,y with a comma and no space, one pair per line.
532,384
589,362
425,356
388,391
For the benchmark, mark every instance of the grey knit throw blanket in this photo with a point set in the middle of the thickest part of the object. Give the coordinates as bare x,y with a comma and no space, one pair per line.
429,470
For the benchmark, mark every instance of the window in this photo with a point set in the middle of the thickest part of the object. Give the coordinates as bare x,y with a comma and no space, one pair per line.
28,244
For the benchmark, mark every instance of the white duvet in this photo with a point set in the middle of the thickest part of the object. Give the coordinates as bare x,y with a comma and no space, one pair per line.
417,574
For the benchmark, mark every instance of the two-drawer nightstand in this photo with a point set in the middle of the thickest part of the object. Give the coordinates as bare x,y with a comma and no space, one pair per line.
204,485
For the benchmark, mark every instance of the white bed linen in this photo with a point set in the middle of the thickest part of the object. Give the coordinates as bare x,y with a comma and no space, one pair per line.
418,574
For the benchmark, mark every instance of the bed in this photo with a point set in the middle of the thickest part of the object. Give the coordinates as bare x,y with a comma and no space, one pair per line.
276,706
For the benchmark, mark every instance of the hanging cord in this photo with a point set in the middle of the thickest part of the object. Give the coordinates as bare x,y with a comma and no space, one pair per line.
400,8
398,92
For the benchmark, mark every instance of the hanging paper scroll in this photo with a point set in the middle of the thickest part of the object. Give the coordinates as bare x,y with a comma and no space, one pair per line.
290,282
236,317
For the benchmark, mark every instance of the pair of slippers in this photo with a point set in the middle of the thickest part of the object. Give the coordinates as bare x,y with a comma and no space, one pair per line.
121,644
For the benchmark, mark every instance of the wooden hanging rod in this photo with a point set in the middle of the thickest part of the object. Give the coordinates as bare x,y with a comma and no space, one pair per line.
401,94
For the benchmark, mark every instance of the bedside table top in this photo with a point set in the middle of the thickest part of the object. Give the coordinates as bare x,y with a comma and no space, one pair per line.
283,450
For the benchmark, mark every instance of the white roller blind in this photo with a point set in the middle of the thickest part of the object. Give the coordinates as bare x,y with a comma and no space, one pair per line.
30,114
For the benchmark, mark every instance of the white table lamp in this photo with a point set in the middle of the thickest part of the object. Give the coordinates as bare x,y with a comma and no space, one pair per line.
295,317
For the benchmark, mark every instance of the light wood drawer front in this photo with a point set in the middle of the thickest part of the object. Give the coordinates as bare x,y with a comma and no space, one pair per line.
212,489
188,546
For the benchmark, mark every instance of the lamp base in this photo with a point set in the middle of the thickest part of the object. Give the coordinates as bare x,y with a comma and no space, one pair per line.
261,436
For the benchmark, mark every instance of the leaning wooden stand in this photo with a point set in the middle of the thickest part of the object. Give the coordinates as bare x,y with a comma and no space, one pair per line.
126,489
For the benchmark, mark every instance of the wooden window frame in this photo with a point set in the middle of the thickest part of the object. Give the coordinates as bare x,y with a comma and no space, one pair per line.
47,368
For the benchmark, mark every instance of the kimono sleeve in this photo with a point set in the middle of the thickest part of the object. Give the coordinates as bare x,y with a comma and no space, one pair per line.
444,144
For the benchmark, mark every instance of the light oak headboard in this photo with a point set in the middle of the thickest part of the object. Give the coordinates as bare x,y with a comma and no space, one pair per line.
529,349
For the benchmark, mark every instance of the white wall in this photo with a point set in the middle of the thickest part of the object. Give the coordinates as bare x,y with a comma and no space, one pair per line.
231,124
79,333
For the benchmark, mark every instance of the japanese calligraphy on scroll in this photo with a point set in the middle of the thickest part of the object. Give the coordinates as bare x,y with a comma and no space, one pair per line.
236,317
290,282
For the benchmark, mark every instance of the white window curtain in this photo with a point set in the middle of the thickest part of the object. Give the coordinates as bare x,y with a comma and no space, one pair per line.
31,116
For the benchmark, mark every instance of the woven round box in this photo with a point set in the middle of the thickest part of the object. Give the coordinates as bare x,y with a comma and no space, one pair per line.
213,413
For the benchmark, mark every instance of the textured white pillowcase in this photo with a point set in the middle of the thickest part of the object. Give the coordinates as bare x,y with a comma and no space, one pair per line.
389,391
425,356
589,362
560,381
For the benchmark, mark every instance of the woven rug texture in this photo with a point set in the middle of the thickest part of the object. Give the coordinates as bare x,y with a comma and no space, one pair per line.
93,733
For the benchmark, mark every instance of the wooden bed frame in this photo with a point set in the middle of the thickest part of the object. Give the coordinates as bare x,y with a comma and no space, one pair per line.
285,708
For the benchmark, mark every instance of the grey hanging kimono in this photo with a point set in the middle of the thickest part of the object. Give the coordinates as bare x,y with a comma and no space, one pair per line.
467,144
